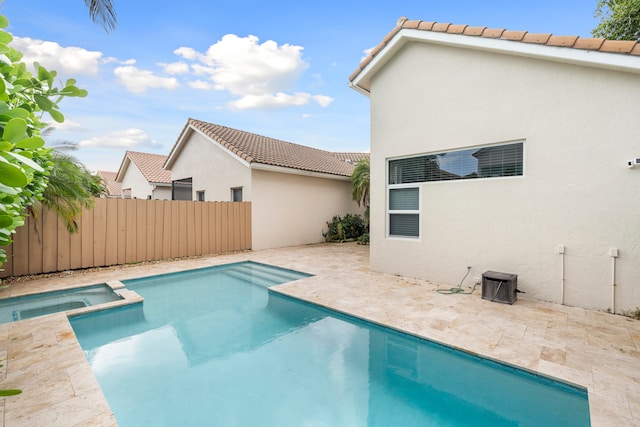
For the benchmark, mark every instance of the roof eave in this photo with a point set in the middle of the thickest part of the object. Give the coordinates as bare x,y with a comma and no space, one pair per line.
177,147
292,171
361,82
123,168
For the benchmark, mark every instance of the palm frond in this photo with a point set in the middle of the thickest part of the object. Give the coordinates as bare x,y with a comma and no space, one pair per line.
102,13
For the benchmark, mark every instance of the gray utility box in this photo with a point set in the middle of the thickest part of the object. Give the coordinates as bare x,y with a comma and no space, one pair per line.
500,287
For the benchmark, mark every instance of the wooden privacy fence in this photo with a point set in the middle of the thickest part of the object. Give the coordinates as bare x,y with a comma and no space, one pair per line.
122,231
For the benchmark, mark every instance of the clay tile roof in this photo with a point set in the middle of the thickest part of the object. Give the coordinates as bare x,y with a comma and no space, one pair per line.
113,188
151,166
493,33
473,31
352,158
456,29
441,27
562,41
618,46
260,149
513,35
536,38
411,23
591,44
426,26
575,42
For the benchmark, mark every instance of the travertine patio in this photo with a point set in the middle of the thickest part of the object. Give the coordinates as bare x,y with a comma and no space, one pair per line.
596,350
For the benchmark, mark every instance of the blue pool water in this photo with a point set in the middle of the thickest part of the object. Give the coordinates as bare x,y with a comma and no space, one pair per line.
208,347
28,306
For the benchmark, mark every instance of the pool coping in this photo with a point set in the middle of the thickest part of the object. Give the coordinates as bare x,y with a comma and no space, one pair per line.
42,355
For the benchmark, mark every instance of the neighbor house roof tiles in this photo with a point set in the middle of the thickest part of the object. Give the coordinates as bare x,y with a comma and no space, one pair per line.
260,149
151,166
576,42
113,188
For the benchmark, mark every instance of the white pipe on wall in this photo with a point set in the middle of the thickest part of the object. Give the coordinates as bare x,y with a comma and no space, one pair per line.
613,253
561,250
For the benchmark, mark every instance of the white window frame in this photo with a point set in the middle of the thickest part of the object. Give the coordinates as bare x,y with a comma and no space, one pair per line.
198,193
389,212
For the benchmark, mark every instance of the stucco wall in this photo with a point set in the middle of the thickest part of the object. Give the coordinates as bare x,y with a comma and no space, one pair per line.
162,193
294,210
579,128
134,180
213,170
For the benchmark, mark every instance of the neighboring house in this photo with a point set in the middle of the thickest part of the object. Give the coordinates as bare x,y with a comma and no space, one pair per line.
142,176
506,151
294,190
114,189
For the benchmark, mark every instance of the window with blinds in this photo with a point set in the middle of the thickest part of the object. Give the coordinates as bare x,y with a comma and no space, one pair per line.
485,162
404,212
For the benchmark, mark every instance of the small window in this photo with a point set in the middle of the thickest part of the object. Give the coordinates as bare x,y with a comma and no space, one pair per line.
200,196
404,212
236,194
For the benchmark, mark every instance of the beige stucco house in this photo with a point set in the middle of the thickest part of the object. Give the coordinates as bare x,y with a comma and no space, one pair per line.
506,151
142,176
294,190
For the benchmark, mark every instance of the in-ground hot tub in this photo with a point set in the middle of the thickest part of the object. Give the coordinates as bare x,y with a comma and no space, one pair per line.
28,306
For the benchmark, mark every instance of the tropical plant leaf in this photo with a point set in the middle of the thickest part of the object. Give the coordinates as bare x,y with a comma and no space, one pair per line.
12,191
25,160
11,174
56,115
15,130
5,221
5,37
43,102
32,142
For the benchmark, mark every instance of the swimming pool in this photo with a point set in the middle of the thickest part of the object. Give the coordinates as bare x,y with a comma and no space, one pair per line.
210,348
28,306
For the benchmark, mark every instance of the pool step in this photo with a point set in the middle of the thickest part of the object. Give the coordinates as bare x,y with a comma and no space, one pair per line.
263,275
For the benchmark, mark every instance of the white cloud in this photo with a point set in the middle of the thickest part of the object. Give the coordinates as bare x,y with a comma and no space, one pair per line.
138,81
201,85
68,126
277,100
187,53
323,100
175,67
260,75
65,60
128,138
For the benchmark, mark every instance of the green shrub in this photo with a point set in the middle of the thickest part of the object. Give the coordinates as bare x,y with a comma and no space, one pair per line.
364,239
348,228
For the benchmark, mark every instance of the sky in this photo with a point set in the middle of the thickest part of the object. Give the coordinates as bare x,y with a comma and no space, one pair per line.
276,68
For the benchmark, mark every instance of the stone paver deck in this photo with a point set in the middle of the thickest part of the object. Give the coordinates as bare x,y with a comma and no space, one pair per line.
593,349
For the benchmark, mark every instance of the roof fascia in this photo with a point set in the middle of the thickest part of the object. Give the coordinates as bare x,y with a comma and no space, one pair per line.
177,147
183,140
291,171
122,170
569,55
